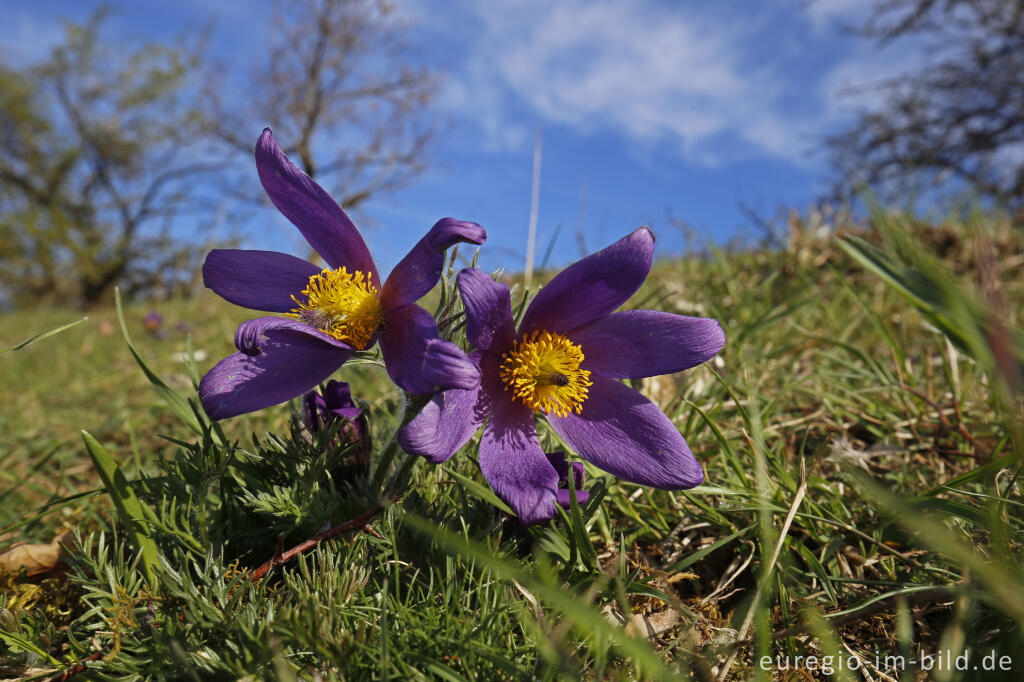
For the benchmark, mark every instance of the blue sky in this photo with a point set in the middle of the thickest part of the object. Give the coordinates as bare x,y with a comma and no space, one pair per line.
646,109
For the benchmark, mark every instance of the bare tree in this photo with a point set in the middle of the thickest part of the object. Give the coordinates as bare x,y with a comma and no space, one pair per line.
341,93
96,158
961,116
101,145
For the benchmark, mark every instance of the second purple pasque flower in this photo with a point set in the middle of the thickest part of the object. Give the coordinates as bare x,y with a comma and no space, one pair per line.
565,363
329,313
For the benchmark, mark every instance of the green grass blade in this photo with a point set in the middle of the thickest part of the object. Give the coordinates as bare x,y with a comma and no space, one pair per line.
936,294
174,400
690,560
42,335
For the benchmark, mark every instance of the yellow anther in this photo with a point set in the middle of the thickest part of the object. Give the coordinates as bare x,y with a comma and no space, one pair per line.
543,372
341,304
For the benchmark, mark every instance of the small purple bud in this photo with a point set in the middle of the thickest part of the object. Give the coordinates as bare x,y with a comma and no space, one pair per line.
153,321
562,467
323,410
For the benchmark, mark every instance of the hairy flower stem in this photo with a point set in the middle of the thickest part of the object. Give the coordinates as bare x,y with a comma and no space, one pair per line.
384,463
411,406
400,481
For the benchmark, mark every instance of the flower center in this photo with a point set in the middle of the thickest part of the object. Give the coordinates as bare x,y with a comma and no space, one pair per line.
543,372
343,305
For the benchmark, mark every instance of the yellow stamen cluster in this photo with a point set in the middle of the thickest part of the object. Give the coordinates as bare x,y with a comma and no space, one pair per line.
543,372
342,304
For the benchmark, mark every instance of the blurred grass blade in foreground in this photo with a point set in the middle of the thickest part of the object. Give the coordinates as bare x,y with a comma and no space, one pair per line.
968,321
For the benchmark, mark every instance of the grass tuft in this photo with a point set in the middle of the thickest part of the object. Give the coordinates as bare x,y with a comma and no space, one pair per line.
861,436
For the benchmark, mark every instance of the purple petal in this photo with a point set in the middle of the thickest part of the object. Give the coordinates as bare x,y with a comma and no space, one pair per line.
626,434
564,500
445,424
287,365
337,394
489,324
250,335
577,475
338,400
319,217
313,403
261,280
562,467
334,402
345,412
592,287
421,268
559,464
418,359
513,462
643,343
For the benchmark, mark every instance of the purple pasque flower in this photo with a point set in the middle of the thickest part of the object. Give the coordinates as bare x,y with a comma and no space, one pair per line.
564,363
329,313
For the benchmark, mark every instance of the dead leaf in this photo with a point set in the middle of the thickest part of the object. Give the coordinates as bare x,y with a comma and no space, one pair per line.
35,559
652,625
682,575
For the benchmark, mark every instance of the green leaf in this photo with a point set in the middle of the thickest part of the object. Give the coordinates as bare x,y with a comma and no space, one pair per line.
645,590
443,673
133,513
967,512
986,469
883,596
582,547
18,643
43,335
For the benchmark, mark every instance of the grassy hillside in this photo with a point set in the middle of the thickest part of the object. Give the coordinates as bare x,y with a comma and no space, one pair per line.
861,446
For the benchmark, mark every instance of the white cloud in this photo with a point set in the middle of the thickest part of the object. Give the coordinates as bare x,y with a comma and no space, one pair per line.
853,84
825,14
712,82
646,74
657,74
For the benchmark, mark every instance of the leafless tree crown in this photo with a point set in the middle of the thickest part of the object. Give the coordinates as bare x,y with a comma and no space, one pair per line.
96,152
959,116
342,94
